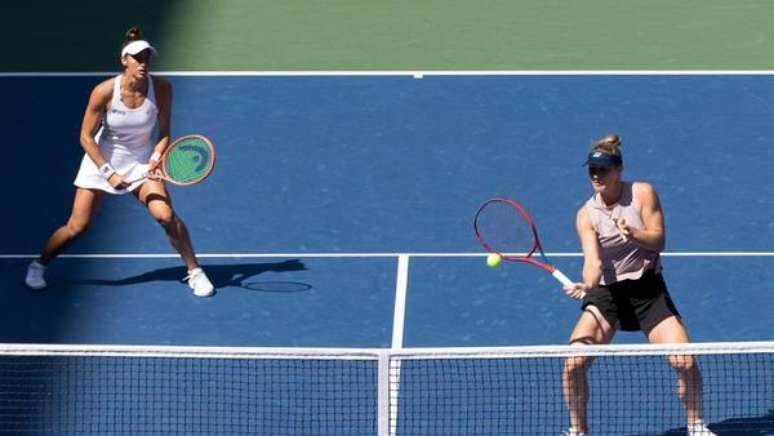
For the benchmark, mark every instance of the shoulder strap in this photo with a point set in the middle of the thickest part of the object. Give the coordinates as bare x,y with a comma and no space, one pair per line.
589,206
115,99
151,90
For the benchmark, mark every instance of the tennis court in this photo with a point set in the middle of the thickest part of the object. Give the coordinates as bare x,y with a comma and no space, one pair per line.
338,196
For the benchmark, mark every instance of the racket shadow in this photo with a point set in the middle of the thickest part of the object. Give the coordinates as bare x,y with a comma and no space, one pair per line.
236,275
279,287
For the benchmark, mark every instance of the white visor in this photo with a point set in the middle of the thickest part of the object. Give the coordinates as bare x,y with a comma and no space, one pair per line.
135,47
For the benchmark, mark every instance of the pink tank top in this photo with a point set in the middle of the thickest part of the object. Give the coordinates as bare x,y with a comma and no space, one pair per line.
621,260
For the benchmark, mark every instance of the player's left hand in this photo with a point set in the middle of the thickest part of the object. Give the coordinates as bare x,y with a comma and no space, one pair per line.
153,169
624,230
153,166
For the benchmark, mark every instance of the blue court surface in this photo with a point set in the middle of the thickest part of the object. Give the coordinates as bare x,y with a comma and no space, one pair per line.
392,164
323,181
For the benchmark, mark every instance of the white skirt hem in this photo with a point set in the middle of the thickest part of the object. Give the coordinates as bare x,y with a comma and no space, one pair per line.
130,166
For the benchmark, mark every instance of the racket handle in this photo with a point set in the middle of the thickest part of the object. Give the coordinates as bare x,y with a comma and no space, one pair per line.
137,179
145,175
562,278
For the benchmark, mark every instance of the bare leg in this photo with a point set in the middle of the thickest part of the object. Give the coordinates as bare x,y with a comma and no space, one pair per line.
591,328
671,330
155,196
84,206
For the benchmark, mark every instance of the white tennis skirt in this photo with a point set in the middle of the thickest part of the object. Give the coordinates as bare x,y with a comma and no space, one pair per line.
130,163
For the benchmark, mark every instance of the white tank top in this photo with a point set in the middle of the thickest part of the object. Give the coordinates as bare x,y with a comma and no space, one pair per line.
124,140
129,128
621,260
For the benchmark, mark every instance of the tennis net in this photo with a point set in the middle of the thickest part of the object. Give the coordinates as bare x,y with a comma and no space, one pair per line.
63,389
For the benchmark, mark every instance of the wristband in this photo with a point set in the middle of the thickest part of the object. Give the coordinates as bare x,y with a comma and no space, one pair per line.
155,156
107,170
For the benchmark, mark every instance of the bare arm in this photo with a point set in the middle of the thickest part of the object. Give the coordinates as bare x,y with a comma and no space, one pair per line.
592,263
652,236
97,105
164,103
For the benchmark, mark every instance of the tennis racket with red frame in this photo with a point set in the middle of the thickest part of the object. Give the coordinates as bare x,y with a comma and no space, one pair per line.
188,160
505,228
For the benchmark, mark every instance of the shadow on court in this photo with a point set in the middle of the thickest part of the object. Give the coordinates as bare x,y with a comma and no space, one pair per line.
759,425
237,275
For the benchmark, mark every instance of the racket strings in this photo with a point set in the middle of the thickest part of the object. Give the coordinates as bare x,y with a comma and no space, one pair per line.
189,161
504,230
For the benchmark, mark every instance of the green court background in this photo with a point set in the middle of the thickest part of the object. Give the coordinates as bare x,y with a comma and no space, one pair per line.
362,35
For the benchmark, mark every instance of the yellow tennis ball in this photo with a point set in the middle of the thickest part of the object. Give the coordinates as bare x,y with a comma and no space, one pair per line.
493,260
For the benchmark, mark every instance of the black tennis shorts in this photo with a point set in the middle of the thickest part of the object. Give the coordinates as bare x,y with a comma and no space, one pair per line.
636,304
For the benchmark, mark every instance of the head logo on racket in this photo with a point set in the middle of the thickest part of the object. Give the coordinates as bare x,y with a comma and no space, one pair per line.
187,161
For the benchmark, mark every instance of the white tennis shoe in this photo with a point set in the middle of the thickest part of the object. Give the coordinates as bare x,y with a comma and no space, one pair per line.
35,273
700,429
697,429
198,281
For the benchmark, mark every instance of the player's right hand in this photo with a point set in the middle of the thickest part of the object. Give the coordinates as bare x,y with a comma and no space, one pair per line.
117,182
577,291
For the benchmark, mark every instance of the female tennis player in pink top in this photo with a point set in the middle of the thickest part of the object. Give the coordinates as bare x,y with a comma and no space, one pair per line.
621,230
116,136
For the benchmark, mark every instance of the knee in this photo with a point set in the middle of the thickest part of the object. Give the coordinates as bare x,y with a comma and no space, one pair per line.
76,227
576,365
683,364
164,215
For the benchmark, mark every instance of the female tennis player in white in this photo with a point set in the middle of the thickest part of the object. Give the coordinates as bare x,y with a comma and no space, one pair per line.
116,136
621,229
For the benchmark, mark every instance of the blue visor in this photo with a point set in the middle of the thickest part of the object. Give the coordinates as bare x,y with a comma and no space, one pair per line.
602,159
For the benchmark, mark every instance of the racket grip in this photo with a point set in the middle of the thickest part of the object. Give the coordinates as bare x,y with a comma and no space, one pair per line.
563,279
137,179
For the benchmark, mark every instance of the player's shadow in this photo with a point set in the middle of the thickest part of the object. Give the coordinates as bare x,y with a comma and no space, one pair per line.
240,275
757,425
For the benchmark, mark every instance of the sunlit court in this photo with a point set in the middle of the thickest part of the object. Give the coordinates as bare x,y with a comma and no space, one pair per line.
352,293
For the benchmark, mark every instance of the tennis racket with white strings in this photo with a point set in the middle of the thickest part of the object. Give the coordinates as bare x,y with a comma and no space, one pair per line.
505,228
188,160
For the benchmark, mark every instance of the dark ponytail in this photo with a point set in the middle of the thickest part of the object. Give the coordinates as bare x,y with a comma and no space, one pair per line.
133,34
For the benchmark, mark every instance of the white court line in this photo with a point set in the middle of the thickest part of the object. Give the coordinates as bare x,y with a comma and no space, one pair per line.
411,73
400,302
398,322
363,255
